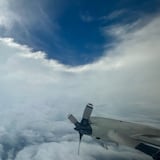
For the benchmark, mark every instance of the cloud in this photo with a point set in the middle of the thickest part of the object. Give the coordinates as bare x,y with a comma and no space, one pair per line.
6,16
115,14
37,94
27,24
86,17
49,151
12,12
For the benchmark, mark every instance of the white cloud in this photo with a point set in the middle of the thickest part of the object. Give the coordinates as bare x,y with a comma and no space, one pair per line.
37,94
115,14
49,151
7,17
18,21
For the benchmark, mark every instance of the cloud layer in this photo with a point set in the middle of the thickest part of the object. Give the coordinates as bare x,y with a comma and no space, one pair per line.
37,94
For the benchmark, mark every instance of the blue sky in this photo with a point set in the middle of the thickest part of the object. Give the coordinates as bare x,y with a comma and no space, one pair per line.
72,32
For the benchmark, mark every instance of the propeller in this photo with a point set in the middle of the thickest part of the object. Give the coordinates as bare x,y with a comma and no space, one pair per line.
83,127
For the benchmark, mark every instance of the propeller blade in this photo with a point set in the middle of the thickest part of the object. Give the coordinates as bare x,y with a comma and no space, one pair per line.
72,119
87,112
80,138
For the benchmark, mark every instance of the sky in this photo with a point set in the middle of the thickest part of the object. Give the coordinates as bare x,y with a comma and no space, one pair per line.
72,32
56,56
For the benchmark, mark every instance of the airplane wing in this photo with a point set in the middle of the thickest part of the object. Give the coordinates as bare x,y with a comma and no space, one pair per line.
149,144
150,139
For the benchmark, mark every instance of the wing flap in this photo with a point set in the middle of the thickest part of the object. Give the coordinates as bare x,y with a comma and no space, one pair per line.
150,139
149,150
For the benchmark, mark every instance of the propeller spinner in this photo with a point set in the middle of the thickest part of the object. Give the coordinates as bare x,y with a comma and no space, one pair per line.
83,127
